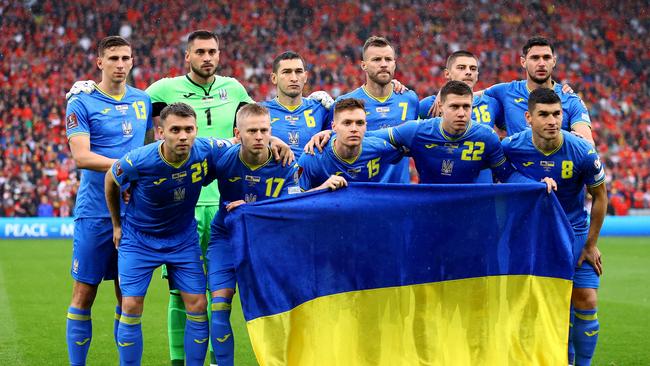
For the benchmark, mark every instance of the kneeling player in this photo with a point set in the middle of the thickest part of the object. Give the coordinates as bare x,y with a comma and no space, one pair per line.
546,150
246,173
349,156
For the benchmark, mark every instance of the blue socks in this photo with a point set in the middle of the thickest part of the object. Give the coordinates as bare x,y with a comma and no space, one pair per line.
129,339
79,332
196,338
116,323
221,335
585,335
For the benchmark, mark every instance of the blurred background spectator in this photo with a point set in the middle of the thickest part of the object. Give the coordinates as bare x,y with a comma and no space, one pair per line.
603,50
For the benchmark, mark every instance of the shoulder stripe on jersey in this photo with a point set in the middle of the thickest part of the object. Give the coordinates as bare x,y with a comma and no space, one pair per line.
77,133
581,122
503,160
113,176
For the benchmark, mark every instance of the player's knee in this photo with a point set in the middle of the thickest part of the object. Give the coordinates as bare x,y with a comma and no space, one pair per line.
132,305
83,295
195,303
228,293
584,298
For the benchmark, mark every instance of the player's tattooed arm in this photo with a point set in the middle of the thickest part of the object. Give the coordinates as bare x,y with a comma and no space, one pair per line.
318,141
590,252
281,151
112,193
86,159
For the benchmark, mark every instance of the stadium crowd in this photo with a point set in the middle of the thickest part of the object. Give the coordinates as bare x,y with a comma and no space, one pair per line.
47,45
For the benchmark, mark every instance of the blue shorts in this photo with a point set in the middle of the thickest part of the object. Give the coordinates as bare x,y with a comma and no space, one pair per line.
94,257
221,269
140,254
585,276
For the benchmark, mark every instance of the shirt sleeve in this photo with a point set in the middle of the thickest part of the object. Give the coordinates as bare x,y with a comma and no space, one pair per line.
292,181
124,171
156,92
497,91
425,106
402,136
577,111
304,172
594,172
76,118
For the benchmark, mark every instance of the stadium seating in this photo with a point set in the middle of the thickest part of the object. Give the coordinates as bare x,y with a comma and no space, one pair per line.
46,47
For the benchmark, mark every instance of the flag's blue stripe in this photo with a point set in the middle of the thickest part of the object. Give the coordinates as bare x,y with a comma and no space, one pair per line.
369,236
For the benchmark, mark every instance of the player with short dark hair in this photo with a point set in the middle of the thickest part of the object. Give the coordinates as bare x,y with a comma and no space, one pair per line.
538,59
384,107
246,173
101,126
159,227
546,150
350,155
295,119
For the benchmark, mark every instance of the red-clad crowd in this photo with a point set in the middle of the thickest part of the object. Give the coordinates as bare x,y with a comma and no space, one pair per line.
45,46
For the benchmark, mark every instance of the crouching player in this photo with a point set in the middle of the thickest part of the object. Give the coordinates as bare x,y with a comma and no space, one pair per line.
246,173
545,150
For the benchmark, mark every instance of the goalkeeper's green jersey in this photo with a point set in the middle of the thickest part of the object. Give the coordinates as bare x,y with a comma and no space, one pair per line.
215,105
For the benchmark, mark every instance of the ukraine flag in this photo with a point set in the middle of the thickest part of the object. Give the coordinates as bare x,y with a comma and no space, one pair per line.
406,275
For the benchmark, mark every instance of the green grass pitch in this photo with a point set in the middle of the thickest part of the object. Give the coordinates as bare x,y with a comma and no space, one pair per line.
35,289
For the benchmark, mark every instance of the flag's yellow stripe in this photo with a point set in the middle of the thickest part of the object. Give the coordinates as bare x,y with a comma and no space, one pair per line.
499,320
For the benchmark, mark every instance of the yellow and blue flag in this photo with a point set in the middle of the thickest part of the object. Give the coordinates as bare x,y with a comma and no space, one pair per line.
406,275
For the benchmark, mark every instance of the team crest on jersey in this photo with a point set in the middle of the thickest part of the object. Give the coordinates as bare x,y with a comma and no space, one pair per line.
122,108
179,176
294,137
250,197
75,266
252,180
353,172
447,167
127,128
179,194
547,165
223,94
118,169
71,122
451,147
383,111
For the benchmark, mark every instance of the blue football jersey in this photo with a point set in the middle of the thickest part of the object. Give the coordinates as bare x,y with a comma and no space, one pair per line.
513,97
388,112
485,110
573,165
241,181
376,155
164,194
296,126
444,158
114,127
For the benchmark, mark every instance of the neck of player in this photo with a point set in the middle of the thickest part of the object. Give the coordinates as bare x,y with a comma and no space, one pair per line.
200,79
254,157
378,90
532,85
288,100
547,145
346,152
112,88
172,156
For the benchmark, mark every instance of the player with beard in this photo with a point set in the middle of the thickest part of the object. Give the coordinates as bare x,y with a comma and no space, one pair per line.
384,108
539,59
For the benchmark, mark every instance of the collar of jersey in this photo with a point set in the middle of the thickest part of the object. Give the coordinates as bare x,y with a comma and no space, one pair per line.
530,91
176,165
347,161
255,167
380,100
206,92
550,152
451,138
290,108
114,97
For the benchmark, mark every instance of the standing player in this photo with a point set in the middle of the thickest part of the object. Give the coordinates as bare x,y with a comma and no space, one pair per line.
538,59
246,173
101,126
546,150
349,156
463,66
295,119
215,99
383,107
159,227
